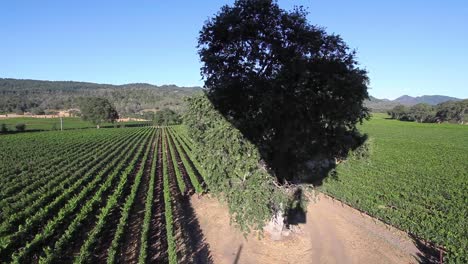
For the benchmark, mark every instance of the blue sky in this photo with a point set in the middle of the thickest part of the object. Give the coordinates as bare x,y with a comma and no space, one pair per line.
409,47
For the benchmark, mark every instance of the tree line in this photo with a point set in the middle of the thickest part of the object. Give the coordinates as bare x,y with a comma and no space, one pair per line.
42,97
451,111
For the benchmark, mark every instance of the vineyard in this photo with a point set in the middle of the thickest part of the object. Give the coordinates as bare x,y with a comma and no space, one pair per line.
121,195
93,196
416,179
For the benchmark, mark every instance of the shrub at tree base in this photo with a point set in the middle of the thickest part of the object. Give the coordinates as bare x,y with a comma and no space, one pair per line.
232,167
3,128
20,127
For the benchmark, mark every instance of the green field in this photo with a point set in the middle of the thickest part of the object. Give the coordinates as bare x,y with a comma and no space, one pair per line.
33,123
416,179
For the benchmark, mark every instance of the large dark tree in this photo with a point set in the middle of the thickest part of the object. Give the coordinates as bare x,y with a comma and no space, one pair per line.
97,110
291,88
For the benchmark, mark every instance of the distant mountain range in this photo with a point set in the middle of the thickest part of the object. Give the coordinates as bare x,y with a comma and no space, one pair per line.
385,104
19,95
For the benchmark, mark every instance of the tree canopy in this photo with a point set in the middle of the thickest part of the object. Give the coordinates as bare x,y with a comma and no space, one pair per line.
290,87
453,111
164,117
97,110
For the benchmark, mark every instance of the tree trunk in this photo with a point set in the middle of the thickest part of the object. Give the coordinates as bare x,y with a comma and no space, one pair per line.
282,156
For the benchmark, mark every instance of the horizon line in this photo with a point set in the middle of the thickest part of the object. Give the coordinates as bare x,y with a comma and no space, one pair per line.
199,86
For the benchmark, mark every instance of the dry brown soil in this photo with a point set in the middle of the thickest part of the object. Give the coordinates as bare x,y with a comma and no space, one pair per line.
333,233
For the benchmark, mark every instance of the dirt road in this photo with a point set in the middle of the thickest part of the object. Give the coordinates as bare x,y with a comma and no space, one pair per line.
333,233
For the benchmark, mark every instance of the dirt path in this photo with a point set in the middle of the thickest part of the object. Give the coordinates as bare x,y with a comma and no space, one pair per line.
333,233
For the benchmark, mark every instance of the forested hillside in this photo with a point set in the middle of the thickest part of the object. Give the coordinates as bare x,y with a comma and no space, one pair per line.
37,96
426,99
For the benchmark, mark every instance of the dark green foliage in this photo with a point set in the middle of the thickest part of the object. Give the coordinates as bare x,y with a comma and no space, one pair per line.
451,111
97,110
3,128
129,99
147,115
166,117
232,166
291,88
422,112
20,127
37,111
363,152
398,112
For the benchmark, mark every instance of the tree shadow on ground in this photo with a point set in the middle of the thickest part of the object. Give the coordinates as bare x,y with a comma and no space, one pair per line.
296,213
236,260
429,254
198,248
